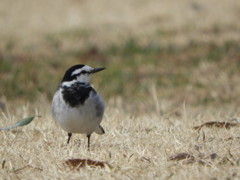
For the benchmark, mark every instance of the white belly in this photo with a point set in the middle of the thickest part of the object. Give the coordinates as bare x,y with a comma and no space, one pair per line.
81,119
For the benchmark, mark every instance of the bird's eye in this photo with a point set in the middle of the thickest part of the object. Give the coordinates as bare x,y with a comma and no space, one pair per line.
83,72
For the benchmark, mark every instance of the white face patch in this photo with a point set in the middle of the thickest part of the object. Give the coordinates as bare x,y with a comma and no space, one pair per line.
83,77
77,71
84,68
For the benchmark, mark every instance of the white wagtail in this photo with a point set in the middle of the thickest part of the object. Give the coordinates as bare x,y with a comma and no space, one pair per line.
76,106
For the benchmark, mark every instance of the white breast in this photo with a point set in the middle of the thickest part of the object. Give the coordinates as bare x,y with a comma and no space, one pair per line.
81,119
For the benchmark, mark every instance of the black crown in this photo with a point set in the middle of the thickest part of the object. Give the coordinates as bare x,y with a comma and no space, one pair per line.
68,74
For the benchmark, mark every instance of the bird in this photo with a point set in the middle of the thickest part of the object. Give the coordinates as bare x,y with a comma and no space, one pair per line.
76,105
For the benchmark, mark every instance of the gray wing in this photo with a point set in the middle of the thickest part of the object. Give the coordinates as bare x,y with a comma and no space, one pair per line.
99,113
99,106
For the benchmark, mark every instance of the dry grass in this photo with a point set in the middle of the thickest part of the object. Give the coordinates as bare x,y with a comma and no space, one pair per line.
179,70
137,145
105,22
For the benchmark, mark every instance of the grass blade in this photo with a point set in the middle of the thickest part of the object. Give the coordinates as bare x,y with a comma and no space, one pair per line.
23,122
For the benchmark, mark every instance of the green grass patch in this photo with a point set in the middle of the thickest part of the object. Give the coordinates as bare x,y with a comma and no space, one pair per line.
131,68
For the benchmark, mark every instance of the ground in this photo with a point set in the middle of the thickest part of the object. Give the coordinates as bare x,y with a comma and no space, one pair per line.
171,67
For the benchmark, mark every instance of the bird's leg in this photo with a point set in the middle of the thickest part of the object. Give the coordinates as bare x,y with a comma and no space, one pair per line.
69,137
88,136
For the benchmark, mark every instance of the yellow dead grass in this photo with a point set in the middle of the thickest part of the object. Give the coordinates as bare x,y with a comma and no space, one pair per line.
140,137
137,145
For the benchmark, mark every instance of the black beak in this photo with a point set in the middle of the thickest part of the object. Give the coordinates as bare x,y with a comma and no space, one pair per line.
97,70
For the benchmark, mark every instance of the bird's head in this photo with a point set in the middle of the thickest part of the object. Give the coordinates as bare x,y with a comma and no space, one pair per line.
81,73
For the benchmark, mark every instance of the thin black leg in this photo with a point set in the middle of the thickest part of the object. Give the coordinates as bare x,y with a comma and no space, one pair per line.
69,137
88,136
